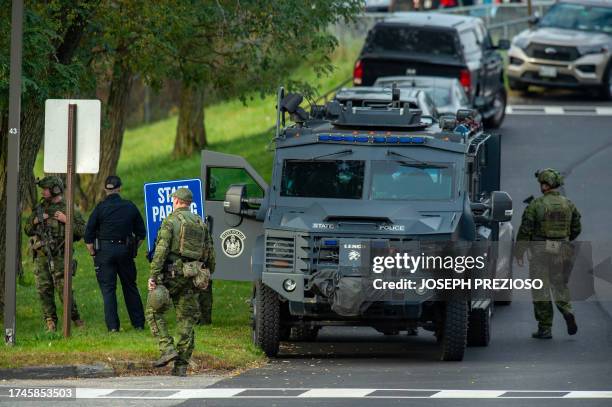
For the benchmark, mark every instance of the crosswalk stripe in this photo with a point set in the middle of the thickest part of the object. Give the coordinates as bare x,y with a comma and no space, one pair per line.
344,393
588,395
328,393
559,110
467,394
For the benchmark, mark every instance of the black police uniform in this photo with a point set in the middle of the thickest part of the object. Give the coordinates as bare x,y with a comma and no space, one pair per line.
116,224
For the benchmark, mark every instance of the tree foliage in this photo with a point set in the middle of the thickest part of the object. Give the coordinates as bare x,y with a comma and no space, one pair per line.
94,48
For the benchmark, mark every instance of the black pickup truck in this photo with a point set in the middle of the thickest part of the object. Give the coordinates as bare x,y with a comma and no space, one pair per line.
436,44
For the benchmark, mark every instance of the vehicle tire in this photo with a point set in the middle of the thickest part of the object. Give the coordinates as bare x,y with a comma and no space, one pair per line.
479,327
605,92
304,334
266,318
499,103
454,337
513,84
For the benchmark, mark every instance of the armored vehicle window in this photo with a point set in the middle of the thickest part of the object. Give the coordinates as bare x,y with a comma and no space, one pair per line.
323,179
408,181
412,40
220,180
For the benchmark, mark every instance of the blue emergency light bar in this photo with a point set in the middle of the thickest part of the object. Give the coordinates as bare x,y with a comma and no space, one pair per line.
330,243
378,139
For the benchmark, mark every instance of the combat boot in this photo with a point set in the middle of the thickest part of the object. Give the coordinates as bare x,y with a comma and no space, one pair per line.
570,320
79,323
179,370
165,358
51,325
542,333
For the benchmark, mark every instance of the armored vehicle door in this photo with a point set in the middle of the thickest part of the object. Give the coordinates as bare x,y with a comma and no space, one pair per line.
489,163
235,230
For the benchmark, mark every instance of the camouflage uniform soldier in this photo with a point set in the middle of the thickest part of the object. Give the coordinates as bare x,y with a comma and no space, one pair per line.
46,227
182,264
548,223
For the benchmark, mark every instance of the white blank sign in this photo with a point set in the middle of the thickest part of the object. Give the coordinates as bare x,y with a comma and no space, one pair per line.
87,152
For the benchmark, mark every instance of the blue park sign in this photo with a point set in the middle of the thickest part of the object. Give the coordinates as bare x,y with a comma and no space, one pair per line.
158,203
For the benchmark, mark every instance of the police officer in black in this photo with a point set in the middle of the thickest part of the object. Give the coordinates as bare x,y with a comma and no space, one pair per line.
114,232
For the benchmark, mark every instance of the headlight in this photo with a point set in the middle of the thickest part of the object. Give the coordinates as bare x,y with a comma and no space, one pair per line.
592,49
520,42
289,285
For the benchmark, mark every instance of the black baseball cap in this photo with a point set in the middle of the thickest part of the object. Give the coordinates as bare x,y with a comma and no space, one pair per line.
112,182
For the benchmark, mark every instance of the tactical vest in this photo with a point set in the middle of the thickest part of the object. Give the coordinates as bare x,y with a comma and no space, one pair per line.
189,236
556,217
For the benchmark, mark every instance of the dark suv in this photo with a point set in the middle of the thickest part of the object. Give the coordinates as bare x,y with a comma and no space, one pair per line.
435,44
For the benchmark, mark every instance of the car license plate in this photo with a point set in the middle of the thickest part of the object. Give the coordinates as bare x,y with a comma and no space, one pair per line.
548,72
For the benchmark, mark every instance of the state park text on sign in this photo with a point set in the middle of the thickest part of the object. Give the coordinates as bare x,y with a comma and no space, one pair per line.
158,203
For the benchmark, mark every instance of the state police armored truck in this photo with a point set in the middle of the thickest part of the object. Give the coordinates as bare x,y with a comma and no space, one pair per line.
350,181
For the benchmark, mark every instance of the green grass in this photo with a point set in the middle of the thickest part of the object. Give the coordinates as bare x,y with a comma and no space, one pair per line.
146,157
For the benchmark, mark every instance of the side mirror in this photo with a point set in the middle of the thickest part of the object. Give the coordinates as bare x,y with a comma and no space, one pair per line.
501,206
533,20
235,195
503,44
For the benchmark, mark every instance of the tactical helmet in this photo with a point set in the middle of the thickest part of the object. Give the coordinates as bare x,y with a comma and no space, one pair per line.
549,176
159,298
54,183
184,194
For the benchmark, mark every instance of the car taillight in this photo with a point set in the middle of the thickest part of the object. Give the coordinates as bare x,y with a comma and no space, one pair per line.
358,73
466,80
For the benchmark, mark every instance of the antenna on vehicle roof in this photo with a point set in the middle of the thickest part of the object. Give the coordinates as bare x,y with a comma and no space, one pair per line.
395,96
280,114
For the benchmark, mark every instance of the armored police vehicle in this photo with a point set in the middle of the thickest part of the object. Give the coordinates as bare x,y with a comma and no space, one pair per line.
349,182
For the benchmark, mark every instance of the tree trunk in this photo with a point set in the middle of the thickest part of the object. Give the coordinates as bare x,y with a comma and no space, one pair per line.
111,137
32,129
190,131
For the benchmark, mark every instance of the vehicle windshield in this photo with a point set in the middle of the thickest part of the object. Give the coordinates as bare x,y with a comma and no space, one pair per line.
409,181
440,96
412,40
340,179
579,17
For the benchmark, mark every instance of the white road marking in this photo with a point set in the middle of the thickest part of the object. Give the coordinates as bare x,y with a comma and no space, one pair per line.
91,393
588,395
574,110
332,393
328,393
468,394
554,110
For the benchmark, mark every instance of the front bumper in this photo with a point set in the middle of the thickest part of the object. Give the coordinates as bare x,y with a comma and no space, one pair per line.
587,71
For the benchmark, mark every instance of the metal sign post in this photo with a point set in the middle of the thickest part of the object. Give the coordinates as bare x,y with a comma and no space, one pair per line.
72,126
12,180
71,146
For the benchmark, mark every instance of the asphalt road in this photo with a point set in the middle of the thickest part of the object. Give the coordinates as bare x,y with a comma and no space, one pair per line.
368,369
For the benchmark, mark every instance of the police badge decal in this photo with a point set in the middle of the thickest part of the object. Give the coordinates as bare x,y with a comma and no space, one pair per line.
232,242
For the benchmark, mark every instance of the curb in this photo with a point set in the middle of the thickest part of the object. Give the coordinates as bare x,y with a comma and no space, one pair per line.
58,372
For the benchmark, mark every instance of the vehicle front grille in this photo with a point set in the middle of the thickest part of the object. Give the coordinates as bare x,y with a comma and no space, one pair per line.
560,78
552,52
280,252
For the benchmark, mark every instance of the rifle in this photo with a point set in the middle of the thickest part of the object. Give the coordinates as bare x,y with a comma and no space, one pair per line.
46,239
